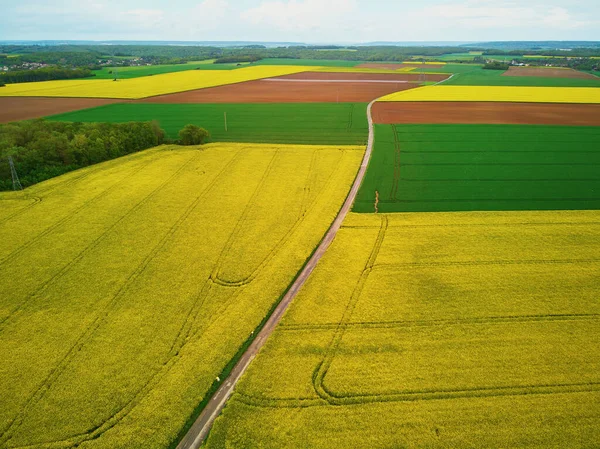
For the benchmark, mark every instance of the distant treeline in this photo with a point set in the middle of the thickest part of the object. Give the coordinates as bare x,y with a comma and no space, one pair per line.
84,55
52,57
44,74
237,59
496,65
585,64
91,56
42,150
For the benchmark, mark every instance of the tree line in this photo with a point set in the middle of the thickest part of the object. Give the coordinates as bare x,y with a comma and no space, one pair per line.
44,74
42,149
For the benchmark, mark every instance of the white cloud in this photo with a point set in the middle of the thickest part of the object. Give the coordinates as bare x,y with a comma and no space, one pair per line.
209,14
485,14
142,18
303,15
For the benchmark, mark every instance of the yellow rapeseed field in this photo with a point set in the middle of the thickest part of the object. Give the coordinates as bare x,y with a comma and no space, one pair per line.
499,94
147,86
126,287
437,330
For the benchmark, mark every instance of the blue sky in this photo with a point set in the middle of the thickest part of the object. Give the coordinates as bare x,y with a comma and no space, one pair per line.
309,21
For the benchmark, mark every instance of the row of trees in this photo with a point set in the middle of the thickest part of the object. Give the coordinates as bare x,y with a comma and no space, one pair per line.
44,74
237,59
42,149
496,65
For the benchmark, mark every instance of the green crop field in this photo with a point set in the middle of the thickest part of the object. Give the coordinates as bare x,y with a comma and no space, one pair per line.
127,288
475,75
482,167
434,330
137,72
322,123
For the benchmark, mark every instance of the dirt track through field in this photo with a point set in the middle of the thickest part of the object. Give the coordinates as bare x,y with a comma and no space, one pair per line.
486,113
13,109
547,72
199,430
289,91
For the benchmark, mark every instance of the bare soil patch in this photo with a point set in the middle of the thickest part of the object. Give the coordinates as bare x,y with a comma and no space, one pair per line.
547,72
286,92
486,113
23,108
392,66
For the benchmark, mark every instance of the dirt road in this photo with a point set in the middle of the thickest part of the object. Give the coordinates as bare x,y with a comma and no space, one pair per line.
199,430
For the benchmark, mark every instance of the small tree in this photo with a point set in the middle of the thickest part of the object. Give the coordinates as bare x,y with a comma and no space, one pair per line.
193,135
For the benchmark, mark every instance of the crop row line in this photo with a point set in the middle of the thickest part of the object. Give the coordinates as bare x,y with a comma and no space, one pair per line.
322,368
424,395
434,323
94,244
97,322
60,222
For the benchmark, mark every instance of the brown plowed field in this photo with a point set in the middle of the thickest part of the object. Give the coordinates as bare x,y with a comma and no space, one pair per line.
486,113
354,76
24,108
546,72
285,92
391,66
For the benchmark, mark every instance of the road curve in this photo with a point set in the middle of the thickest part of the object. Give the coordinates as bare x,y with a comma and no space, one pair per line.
199,430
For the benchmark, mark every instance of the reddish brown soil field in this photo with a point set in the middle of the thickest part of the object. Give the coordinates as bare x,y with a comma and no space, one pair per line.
486,113
285,92
24,108
545,72
350,76
391,66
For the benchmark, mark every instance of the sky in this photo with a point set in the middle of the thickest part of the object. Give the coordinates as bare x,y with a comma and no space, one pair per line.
308,21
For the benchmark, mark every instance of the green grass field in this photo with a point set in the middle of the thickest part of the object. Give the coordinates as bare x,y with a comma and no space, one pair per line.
447,330
137,72
475,75
127,287
482,167
323,123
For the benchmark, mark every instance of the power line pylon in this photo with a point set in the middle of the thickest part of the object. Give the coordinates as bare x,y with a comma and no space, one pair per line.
15,178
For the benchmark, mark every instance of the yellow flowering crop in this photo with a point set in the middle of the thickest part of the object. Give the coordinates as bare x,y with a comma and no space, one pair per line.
146,86
499,94
419,330
126,287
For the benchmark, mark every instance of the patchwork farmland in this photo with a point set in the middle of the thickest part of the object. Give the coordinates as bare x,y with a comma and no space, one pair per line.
456,306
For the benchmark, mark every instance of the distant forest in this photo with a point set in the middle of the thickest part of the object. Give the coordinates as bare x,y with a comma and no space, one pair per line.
91,55
23,63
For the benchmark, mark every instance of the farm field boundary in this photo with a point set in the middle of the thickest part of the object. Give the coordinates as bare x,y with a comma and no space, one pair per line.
264,91
201,427
438,112
24,108
309,123
512,94
547,72
146,86
429,168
